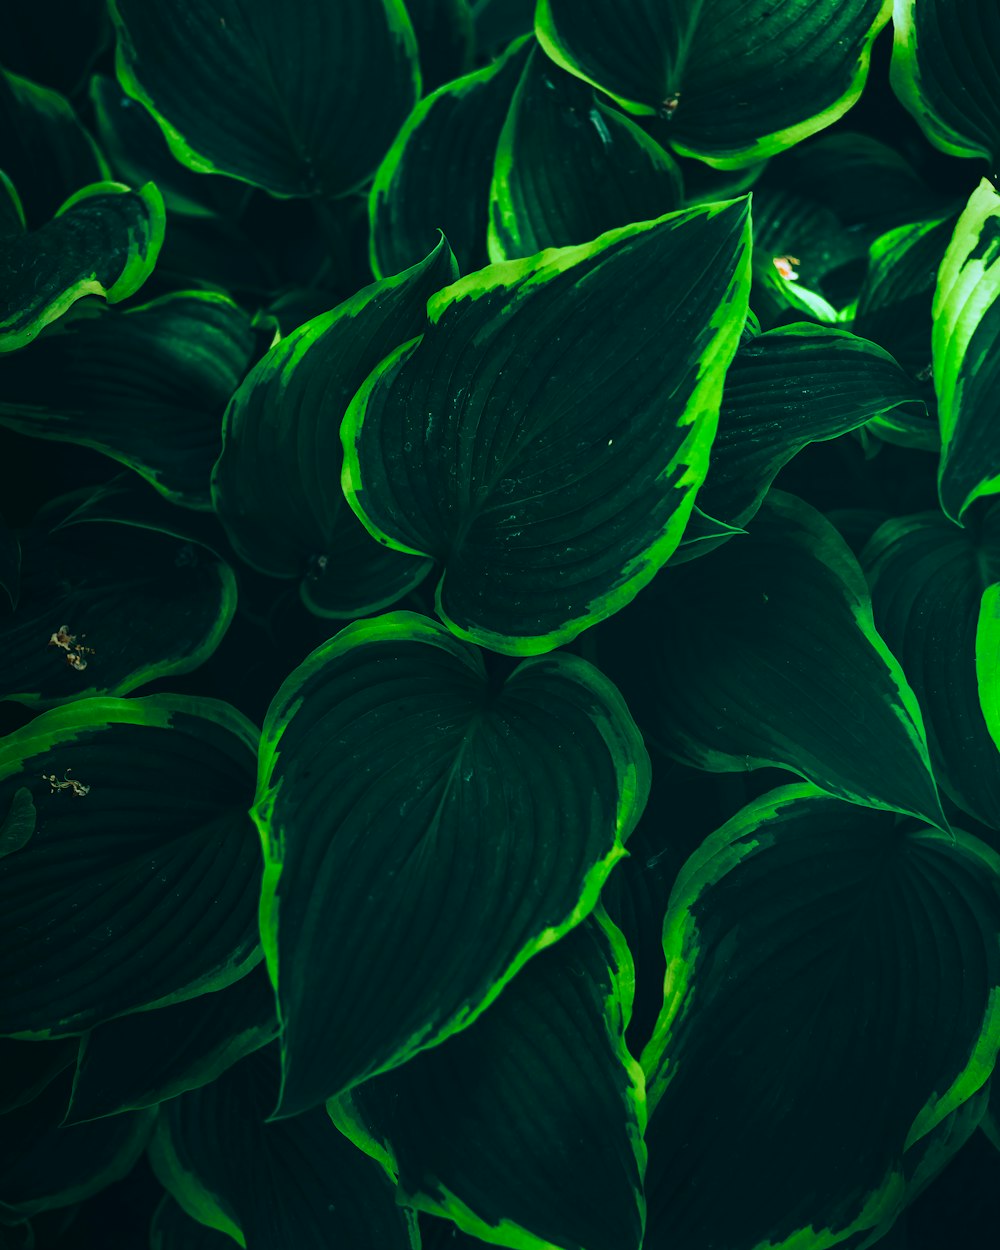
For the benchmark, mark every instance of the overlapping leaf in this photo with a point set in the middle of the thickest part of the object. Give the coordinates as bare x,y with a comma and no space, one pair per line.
272,95
544,439
147,386
832,996
436,176
138,884
525,1129
277,483
765,653
386,926
444,38
739,81
569,168
103,240
965,343
293,1183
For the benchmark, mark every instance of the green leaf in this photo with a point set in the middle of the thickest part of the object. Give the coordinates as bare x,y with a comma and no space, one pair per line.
28,1068
544,439
19,823
785,389
944,72
10,566
525,1129
444,37
276,486
868,948
927,579
173,1229
272,95
965,339
44,149
44,1166
147,386
497,22
381,921
436,176
106,607
104,241
139,885
739,81
766,654
293,1183
151,1056
568,168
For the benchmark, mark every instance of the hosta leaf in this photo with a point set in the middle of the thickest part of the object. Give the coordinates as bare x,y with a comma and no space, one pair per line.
145,1058
766,653
544,439
173,1229
740,81
445,38
293,1183
497,22
44,149
927,579
272,95
566,1170
104,240
436,176
147,386
944,69
45,1166
785,389
139,884
569,168
27,1068
965,341
832,995
382,923
277,483
106,607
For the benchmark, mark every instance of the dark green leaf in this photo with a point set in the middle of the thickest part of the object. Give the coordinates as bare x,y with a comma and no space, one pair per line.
569,168
966,350
150,1056
525,1129
173,1229
382,923
147,386
444,37
45,1166
56,42
436,176
277,484
544,439
106,607
296,1183
104,241
272,94
10,566
497,22
740,81
944,69
27,1068
44,149
832,995
927,579
765,653
139,885
19,823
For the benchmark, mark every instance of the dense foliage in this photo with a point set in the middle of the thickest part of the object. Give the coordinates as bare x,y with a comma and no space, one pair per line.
499,624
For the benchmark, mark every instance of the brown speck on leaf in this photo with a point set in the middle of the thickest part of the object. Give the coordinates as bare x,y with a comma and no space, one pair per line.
75,660
785,265
76,788
669,106
62,638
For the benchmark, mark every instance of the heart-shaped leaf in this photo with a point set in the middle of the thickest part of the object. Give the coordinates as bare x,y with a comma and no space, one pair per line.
272,95
568,167
105,607
766,654
138,887
831,997
147,386
104,240
567,1174
966,350
293,1183
944,71
382,922
150,1056
739,81
277,483
544,439
927,579
436,176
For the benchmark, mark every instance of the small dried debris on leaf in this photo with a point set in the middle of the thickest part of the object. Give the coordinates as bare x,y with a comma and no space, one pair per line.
75,651
69,783
785,265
